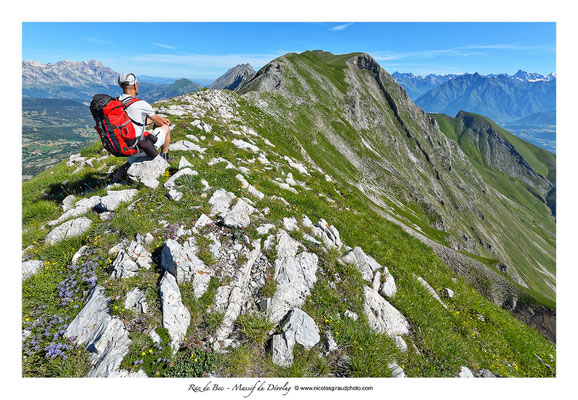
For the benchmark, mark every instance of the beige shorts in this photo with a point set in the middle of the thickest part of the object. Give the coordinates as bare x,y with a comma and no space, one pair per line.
161,134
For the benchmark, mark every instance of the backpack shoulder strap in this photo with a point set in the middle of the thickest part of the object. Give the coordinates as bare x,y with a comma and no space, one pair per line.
127,102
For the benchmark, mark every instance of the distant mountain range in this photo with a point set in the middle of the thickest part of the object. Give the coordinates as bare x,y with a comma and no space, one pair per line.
80,80
71,73
418,85
502,98
523,103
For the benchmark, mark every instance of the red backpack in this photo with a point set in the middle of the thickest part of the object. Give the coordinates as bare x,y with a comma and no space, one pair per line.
113,125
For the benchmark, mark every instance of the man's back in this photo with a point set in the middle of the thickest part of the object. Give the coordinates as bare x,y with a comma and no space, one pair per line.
138,112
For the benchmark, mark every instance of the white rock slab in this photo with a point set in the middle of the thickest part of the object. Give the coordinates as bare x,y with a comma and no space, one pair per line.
30,268
171,182
68,229
183,162
465,372
245,146
136,301
185,145
105,337
295,275
431,290
232,298
396,370
239,215
148,171
220,202
176,317
80,208
382,316
250,188
115,198
185,266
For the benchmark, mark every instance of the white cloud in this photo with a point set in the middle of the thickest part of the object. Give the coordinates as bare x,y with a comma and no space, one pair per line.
166,46
463,51
423,69
341,27
196,65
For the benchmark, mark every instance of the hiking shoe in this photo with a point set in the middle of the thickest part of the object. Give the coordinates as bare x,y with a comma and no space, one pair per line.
165,156
120,174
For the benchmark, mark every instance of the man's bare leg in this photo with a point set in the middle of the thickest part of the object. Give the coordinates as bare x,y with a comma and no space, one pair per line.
165,146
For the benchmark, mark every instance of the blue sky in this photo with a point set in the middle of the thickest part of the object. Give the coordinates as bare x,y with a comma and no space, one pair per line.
202,51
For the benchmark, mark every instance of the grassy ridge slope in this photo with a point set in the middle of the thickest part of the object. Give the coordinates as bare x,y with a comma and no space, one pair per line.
444,339
355,122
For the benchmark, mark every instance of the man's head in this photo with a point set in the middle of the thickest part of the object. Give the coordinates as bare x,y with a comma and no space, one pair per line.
128,83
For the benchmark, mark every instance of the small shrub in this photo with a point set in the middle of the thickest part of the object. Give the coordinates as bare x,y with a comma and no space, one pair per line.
204,252
214,320
255,328
154,359
194,361
270,286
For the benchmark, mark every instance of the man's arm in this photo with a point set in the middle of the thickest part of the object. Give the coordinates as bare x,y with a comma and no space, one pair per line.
158,121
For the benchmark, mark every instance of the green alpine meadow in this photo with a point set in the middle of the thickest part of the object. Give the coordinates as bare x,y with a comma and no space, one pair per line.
314,222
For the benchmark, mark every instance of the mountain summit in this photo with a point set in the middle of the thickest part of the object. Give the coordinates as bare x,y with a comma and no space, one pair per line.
374,137
533,76
234,77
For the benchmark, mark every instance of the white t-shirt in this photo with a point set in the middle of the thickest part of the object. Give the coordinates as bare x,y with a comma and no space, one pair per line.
138,111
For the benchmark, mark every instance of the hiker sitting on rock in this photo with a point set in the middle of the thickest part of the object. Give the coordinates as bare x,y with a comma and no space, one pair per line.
142,114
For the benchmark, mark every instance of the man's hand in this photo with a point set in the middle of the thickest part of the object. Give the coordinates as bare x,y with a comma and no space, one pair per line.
159,121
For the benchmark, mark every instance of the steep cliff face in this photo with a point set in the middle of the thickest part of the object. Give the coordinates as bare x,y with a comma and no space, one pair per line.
498,153
348,114
506,161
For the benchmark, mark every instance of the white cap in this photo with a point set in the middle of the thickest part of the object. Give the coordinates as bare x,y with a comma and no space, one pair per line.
128,78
